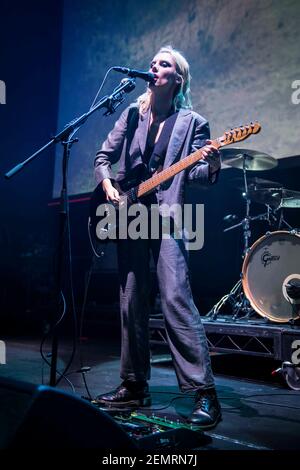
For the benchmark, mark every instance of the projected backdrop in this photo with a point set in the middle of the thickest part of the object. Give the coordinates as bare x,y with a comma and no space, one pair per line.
244,57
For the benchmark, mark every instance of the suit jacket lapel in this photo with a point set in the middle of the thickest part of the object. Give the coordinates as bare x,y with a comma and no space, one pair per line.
142,130
178,135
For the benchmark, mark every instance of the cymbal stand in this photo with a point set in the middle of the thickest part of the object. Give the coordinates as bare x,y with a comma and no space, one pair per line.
283,221
236,297
245,222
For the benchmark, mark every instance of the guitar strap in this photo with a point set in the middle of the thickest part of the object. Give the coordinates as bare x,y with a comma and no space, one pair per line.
160,149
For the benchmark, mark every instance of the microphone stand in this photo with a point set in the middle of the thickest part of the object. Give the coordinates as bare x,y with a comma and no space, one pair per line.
66,138
236,296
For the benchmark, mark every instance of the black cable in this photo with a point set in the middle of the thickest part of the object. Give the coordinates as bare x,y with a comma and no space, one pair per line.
94,250
57,371
48,333
83,309
100,88
86,386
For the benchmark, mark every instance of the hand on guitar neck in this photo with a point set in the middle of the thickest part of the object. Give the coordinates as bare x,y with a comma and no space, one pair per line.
212,156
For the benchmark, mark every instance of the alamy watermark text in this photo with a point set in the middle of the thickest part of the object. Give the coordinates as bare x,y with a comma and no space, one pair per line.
2,92
2,352
295,96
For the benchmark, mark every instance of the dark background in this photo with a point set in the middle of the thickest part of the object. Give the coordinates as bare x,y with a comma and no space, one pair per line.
30,41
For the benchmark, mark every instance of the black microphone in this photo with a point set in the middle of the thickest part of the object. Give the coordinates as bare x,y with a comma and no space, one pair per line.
147,76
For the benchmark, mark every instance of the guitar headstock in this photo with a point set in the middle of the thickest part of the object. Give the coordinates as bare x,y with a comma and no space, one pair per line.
239,133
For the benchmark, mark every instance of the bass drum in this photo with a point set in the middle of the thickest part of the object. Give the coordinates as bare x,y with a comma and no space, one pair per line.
271,262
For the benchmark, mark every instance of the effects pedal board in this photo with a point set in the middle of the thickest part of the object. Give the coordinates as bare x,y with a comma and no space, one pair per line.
152,431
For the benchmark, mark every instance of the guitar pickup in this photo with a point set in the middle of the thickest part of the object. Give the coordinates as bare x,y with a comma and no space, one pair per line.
132,195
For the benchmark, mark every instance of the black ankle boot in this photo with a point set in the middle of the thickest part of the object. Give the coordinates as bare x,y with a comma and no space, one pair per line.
207,411
129,394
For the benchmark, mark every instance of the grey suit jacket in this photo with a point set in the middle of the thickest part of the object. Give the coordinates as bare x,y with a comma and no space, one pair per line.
127,141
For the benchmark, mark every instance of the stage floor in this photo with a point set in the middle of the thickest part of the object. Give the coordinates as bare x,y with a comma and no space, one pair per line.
259,411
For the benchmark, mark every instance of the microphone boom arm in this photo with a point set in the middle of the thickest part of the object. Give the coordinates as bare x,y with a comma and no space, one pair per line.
110,102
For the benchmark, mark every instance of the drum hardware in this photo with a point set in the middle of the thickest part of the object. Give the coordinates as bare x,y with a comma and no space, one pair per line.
277,197
267,192
272,260
254,183
242,159
238,302
290,199
269,216
282,221
249,160
292,290
270,281
268,196
242,305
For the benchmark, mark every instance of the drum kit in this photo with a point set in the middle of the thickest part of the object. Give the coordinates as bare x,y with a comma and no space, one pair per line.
270,276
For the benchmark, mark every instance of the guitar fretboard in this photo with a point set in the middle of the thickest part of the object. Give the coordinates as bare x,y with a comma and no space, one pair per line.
147,186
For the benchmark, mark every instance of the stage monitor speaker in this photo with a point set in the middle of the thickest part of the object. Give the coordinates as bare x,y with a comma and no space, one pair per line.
38,416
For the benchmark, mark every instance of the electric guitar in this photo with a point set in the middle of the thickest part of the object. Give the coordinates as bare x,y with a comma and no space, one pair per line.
131,191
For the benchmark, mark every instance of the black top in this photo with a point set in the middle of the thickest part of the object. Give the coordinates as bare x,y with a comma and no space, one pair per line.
148,153
154,155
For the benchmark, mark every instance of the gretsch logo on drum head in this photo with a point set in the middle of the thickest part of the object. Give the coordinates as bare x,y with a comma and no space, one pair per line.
267,258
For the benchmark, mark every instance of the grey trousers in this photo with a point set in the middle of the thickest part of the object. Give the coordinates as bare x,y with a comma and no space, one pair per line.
185,332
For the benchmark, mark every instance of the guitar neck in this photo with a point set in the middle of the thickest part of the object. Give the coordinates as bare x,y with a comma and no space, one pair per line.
149,185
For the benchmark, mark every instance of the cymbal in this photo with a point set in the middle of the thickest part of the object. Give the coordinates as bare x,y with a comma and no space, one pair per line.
252,159
270,196
254,183
290,199
276,197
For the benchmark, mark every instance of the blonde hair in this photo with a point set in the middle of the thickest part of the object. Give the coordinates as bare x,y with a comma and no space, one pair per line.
182,96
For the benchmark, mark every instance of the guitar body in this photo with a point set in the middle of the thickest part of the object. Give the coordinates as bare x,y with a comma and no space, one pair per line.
101,209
